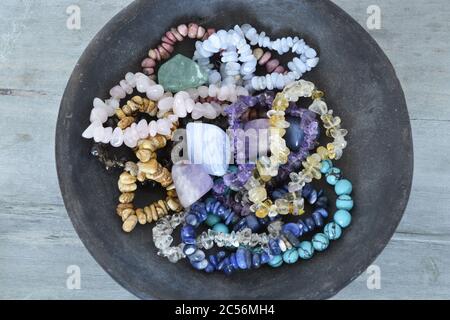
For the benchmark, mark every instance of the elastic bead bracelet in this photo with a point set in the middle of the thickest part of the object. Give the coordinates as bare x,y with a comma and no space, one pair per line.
147,168
269,167
331,231
162,237
184,102
308,126
102,110
222,41
247,227
287,247
264,59
285,236
244,231
305,62
234,112
191,246
168,41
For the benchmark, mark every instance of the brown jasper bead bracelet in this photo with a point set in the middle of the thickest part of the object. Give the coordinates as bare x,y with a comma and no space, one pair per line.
127,113
148,168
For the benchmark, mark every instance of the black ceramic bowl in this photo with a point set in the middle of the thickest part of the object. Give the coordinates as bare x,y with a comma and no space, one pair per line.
360,85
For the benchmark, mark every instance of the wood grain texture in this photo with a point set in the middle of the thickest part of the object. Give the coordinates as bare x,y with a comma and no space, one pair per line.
37,240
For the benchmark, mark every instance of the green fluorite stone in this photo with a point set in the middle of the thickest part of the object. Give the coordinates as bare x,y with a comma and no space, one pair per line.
181,73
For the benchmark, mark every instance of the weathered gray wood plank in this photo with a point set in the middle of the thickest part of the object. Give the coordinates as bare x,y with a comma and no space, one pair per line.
37,240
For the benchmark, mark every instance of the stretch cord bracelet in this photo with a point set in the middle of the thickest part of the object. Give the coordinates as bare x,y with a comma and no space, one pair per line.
147,168
308,126
285,245
196,256
332,230
244,231
104,109
288,238
265,59
269,167
168,41
184,102
162,237
158,103
312,165
217,210
234,112
234,50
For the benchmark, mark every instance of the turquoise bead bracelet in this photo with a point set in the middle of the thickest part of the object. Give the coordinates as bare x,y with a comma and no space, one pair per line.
332,230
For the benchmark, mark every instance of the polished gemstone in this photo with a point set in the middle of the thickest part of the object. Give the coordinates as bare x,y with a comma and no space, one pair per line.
181,73
294,134
191,182
208,146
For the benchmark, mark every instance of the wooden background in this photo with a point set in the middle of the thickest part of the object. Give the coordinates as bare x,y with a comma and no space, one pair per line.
37,240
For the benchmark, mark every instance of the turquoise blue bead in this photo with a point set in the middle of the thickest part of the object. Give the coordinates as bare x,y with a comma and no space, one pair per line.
343,187
343,218
276,261
326,166
220,227
333,176
333,231
305,250
344,202
290,256
320,242
212,220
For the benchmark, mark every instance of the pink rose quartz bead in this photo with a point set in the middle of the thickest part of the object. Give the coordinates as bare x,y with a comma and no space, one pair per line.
148,63
89,132
152,128
99,134
148,71
142,129
168,47
265,58
200,32
99,115
117,137
163,52
117,93
167,40
192,30
272,65
107,135
178,36
155,92
183,30
170,36
279,69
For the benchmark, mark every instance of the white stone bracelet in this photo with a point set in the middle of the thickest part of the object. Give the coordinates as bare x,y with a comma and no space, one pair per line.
182,104
104,109
239,63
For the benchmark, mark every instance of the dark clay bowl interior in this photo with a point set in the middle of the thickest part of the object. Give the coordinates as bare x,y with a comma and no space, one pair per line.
360,85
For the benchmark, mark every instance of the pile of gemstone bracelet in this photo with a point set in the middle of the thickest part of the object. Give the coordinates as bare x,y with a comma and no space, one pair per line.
232,137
